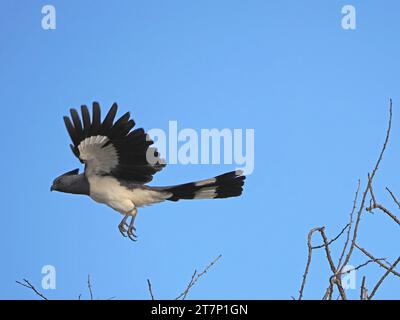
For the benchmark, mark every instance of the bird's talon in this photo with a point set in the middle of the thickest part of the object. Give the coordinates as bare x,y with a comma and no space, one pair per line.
131,234
122,230
132,237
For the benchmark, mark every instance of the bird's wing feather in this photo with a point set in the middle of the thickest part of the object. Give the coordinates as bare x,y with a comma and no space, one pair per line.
112,148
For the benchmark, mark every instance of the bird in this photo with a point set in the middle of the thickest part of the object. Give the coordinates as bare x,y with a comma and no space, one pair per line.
120,160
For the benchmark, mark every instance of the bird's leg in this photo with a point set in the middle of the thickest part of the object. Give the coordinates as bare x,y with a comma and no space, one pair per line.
122,225
131,227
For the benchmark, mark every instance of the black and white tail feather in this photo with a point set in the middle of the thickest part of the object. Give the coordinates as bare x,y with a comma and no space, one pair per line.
223,186
119,161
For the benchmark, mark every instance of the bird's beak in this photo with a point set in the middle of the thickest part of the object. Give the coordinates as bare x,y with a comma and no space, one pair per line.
51,188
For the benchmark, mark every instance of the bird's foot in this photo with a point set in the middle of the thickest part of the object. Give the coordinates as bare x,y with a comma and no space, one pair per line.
122,229
131,234
122,226
130,230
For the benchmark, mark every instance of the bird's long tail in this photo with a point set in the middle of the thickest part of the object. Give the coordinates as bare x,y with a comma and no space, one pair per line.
223,186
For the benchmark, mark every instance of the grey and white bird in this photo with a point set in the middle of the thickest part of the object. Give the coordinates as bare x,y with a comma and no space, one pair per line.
120,161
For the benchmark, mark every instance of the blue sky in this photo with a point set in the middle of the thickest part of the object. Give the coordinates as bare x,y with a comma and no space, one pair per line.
315,94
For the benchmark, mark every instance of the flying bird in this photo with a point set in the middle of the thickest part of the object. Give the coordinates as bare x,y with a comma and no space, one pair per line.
120,161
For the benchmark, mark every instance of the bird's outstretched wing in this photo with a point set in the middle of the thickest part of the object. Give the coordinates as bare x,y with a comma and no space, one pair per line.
112,148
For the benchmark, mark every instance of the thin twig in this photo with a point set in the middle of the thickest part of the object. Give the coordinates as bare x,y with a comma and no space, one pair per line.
190,284
383,278
150,289
370,178
309,245
90,287
336,279
195,278
334,239
393,197
382,208
354,237
364,290
327,250
386,141
379,262
350,225
331,285
27,284
328,292
362,265
371,191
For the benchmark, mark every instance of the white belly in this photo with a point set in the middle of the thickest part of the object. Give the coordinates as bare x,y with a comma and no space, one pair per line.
109,191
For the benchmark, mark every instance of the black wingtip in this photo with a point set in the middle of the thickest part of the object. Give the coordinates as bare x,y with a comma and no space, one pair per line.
67,121
96,118
109,119
71,130
112,112
85,120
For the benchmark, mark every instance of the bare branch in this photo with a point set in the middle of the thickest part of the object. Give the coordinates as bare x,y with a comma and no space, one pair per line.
183,295
362,265
327,250
150,289
393,197
370,178
383,209
352,233
358,219
379,262
383,278
309,244
195,278
190,284
328,292
371,191
386,141
90,287
330,289
336,278
350,224
27,284
364,290
334,239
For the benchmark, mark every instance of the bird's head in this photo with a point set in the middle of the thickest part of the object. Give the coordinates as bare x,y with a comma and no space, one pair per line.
63,182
